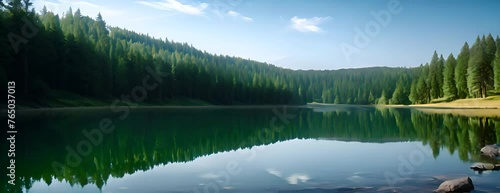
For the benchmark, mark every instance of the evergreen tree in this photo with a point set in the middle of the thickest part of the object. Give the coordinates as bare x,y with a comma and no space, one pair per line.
461,72
435,76
413,92
449,86
489,51
371,98
399,96
383,99
422,95
478,70
440,76
497,66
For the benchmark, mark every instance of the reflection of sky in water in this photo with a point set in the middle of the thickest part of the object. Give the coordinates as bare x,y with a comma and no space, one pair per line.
290,165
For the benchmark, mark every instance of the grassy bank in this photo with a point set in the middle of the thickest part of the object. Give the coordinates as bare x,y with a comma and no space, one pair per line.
492,102
479,107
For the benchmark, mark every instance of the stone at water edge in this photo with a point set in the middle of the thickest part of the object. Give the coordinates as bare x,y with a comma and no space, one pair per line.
484,166
490,150
457,185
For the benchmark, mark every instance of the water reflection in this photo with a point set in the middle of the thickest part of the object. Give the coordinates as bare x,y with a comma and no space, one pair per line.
51,142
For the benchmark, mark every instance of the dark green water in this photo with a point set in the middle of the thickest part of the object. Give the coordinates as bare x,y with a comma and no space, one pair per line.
249,150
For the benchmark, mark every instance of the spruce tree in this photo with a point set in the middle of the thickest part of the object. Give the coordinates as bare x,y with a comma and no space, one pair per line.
422,95
489,50
461,72
449,86
435,76
475,73
496,67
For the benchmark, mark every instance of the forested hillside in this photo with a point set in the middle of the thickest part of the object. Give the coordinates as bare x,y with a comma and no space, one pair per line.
44,53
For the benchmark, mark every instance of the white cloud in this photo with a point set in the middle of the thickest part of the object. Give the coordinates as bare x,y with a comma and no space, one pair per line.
174,5
308,24
295,178
238,16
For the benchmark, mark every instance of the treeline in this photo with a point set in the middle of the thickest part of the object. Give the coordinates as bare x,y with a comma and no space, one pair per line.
82,55
44,52
475,73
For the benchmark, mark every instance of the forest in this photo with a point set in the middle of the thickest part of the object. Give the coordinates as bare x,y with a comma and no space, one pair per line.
48,54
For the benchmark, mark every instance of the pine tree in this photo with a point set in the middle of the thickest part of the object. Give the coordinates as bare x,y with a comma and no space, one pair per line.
371,98
337,100
435,76
449,86
413,92
383,99
476,71
399,96
490,49
496,67
440,77
422,95
461,72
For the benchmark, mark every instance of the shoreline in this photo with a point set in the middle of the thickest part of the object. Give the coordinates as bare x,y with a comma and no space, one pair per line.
426,106
489,104
473,103
159,107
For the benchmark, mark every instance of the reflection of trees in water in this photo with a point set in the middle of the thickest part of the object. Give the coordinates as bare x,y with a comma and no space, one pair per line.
466,134
145,140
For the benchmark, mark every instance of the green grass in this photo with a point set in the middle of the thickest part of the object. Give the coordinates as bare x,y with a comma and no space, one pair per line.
493,98
441,100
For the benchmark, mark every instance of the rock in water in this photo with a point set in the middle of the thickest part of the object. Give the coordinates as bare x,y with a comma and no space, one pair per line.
483,166
457,185
490,150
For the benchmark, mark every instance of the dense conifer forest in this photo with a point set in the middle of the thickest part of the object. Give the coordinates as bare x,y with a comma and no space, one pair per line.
47,53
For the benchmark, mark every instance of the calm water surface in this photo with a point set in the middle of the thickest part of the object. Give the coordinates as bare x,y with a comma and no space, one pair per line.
348,149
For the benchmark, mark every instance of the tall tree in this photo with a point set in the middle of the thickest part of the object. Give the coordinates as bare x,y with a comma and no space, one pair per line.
496,67
461,72
423,91
477,82
435,76
399,96
383,99
440,76
489,51
449,86
413,92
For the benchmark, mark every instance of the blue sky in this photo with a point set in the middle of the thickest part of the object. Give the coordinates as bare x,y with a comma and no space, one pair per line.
300,34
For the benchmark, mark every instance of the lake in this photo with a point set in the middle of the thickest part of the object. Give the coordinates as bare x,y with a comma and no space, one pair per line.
266,149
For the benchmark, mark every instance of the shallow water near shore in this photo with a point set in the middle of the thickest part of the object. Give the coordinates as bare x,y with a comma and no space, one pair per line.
272,149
